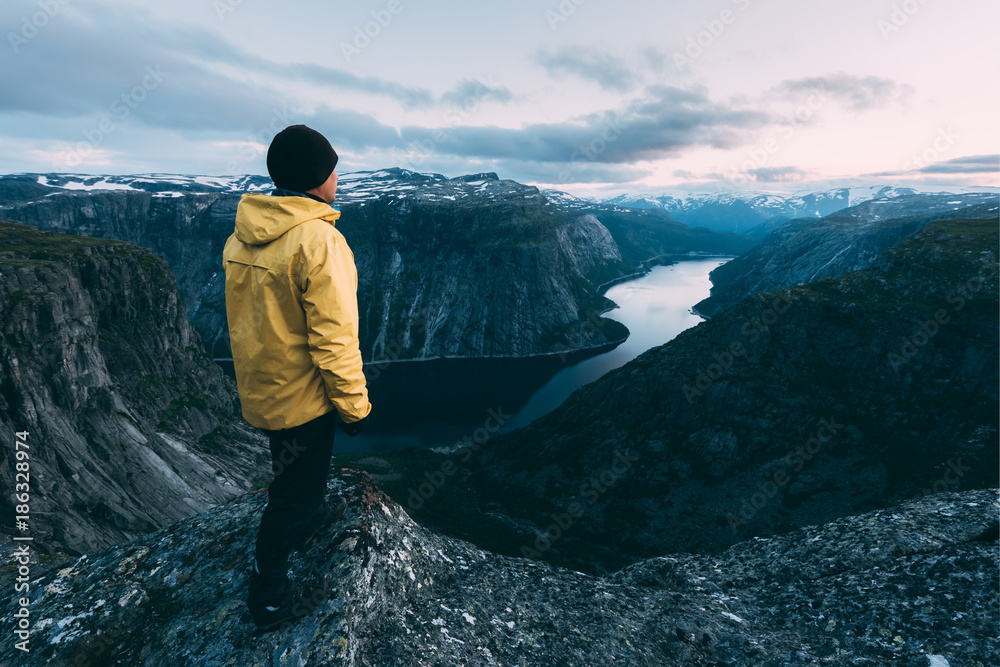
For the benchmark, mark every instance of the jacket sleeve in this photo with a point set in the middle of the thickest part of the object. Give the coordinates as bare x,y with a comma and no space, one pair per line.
329,298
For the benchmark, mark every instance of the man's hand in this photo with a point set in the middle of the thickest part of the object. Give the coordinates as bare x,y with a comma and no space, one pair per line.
353,428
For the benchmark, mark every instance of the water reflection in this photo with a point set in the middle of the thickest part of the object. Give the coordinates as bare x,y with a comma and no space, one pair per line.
655,308
443,401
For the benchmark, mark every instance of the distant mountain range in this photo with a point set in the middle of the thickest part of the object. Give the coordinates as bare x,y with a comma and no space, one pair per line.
805,250
753,213
426,248
745,212
352,187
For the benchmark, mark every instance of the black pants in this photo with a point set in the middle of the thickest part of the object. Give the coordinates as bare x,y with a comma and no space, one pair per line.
300,460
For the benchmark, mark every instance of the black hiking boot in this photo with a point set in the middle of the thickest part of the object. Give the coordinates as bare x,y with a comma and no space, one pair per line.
330,512
282,606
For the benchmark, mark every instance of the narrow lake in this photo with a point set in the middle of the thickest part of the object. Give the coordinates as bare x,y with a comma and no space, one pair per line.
440,402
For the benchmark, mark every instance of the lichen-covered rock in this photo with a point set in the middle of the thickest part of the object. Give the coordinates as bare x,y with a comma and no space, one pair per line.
131,426
892,587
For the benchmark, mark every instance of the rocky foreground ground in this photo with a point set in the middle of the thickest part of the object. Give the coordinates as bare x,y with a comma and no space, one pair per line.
915,584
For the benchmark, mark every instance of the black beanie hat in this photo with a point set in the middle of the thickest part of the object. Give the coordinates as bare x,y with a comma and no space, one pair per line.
300,159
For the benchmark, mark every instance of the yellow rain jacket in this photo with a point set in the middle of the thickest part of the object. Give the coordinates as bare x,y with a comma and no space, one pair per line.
291,304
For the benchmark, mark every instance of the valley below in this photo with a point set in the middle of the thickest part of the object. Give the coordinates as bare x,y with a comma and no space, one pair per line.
599,435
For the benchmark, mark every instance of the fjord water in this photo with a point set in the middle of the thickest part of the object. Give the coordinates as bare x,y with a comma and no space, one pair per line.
443,402
447,402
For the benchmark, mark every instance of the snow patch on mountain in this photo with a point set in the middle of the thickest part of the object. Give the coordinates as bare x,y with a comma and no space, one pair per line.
743,211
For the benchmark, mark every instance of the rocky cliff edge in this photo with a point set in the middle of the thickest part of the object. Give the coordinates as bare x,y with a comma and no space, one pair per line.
911,585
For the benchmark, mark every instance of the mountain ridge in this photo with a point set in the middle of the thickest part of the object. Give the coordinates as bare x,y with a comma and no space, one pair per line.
744,211
423,245
804,250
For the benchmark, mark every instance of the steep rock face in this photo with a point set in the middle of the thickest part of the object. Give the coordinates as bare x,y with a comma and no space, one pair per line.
805,250
468,266
790,408
131,425
427,249
645,234
891,587
188,230
588,246
454,279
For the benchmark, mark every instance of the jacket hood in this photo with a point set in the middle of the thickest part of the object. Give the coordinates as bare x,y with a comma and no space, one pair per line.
262,218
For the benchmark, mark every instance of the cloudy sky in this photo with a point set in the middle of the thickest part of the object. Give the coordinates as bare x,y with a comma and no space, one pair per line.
588,96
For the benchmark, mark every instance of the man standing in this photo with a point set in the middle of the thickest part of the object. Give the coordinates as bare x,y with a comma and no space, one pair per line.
291,305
